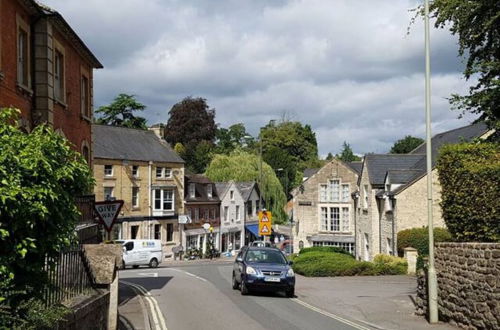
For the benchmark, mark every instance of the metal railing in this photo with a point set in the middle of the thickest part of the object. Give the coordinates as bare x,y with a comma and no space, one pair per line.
69,275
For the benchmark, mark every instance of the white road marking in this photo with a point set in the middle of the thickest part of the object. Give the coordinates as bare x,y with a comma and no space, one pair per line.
330,315
148,274
125,322
158,318
189,274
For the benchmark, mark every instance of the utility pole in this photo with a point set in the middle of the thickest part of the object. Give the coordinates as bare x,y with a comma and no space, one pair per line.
432,278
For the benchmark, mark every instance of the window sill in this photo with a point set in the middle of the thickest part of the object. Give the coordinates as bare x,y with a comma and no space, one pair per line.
169,243
136,208
109,178
336,232
24,89
163,179
86,118
61,103
136,178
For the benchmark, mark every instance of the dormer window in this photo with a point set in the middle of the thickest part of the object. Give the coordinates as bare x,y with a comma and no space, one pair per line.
209,191
191,190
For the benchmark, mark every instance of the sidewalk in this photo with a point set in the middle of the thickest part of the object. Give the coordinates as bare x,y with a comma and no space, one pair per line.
132,312
384,302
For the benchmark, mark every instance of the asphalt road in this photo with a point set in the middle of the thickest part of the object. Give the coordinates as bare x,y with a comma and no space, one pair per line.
200,297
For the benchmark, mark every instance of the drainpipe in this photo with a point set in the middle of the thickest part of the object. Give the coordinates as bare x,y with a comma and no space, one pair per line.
150,191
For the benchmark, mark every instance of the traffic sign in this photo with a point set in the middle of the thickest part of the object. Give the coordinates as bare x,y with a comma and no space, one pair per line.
265,222
264,229
108,212
265,216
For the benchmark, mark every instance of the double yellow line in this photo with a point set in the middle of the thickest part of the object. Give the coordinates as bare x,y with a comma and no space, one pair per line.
158,319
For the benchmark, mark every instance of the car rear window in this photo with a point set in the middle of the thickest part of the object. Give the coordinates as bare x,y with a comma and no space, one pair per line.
265,256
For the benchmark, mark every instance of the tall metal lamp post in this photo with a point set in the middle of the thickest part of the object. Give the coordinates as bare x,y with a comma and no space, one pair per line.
432,278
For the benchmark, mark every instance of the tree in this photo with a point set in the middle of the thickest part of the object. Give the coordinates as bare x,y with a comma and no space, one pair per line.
243,166
406,144
40,176
191,121
283,165
477,25
329,156
121,113
229,139
347,155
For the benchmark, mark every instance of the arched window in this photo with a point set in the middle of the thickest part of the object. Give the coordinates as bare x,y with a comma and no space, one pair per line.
86,152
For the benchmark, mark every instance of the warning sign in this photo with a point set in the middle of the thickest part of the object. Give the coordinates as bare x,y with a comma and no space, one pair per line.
108,212
265,222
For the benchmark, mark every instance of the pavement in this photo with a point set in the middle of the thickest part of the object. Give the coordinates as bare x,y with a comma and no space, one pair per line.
198,295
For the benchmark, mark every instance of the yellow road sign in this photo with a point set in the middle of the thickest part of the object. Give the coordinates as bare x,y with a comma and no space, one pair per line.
265,222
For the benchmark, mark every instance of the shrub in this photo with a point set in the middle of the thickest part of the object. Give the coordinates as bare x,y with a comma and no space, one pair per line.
391,263
469,174
418,238
324,249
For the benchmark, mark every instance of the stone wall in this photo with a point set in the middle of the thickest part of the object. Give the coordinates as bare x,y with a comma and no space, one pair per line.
468,285
91,313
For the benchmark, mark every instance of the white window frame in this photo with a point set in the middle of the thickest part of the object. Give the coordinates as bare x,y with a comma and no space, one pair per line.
345,219
192,190
238,213
209,191
135,168
334,218
161,169
226,213
135,197
345,194
334,194
323,193
162,199
110,195
24,74
112,170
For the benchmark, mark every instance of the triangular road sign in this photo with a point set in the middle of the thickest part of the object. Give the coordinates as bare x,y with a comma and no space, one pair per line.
108,212
265,230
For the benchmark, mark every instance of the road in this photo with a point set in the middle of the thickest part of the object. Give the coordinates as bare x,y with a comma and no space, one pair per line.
200,297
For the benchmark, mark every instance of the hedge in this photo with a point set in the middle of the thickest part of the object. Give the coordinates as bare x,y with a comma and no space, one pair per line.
469,174
324,249
324,263
418,238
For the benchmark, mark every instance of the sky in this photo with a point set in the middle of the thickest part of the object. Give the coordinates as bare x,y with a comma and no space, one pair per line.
349,69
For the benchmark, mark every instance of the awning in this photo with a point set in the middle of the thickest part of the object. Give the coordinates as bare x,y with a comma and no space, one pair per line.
254,229
230,229
332,238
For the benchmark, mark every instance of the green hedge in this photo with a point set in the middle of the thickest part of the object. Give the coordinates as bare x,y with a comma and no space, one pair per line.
418,238
324,263
324,249
469,174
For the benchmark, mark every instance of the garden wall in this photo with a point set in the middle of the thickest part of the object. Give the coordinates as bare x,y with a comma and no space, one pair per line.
468,285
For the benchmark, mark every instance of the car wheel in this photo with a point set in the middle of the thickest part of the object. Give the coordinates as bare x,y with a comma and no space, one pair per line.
135,266
235,283
153,263
290,293
243,288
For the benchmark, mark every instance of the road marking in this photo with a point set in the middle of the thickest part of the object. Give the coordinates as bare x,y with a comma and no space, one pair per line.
158,318
190,274
125,323
148,274
330,315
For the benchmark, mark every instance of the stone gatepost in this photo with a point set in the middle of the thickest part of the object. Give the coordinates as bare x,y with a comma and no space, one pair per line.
411,255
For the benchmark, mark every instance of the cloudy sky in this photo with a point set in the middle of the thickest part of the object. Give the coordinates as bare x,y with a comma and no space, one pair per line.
347,68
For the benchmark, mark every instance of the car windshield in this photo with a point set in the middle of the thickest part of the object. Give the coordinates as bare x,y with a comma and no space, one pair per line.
265,256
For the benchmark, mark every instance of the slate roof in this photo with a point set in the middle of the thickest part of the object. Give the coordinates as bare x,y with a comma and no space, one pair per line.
221,187
308,172
123,143
378,165
356,166
402,176
201,182
246,189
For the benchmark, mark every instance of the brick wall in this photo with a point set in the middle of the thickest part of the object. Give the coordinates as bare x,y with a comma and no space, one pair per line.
92,313
468,285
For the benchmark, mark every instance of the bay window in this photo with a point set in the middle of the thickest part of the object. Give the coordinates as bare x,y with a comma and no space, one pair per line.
163,200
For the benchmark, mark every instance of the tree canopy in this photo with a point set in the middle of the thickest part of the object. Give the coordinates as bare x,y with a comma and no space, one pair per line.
229,139
346,154
477,25
243,166
121,112
406,144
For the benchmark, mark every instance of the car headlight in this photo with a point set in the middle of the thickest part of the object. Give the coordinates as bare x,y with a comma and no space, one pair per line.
251,271
290,273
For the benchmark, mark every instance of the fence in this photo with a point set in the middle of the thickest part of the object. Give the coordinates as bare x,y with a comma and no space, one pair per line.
69,275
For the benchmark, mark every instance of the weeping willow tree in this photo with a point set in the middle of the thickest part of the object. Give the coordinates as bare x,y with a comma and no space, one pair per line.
242,166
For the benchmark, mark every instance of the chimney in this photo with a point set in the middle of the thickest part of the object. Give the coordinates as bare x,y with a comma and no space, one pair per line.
159,130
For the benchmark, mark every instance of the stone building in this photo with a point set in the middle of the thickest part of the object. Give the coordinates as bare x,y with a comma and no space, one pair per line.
46,71
141,169
323,210
392,193
202,205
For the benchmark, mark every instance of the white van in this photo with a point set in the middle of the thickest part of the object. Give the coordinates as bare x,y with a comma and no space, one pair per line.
141,252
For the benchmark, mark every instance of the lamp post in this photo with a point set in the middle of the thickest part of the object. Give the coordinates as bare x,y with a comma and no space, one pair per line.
432,279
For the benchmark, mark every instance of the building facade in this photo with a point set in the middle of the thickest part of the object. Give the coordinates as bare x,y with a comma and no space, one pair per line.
141,169
323,209
46,71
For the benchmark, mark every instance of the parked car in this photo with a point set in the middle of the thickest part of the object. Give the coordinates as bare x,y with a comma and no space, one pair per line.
138,252
261,244
263,268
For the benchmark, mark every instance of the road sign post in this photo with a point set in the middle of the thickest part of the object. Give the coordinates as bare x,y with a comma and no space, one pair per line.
108,211
265,223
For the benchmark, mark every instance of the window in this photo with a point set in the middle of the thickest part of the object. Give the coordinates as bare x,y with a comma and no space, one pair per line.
157,231
324,218
212,214
85,97
133,231
108,193
135,171
163,200
231,194
238,218
108,170
226,211
389,246
365,196
192,190
345,219
23,50
345,193
135,197
163,172
170,232
86,154
197,214
323,195
334,219
334,190
59,93
159,172
257,206
249,208
209,191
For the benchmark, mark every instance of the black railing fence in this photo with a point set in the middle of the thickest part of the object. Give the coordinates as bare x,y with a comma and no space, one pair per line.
69,275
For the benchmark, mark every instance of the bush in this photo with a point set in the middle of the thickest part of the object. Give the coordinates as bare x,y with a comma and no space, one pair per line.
418,238
391,263
469,174
325,263
324,249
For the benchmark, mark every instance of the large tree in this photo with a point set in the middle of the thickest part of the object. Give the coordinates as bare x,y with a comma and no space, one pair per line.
229,139
242,166
477,25
347,155
406,144
121,113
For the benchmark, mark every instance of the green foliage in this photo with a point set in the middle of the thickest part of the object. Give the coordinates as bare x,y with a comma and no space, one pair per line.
470,198
325,263
121,113
324,249
40,175
31,314
234,137
406,144
329,156
391,263
477,25
242,166
347,155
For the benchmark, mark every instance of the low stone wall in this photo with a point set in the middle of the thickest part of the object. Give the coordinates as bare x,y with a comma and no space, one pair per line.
468,285
92,313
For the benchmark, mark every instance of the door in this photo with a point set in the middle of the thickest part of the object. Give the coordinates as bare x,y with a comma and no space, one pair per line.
238,266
